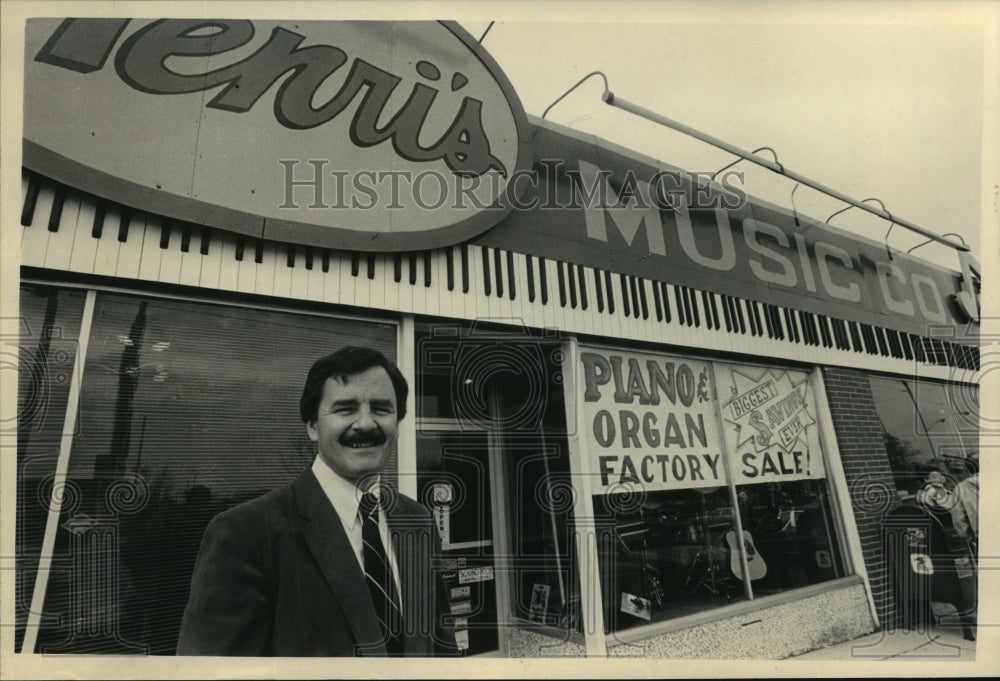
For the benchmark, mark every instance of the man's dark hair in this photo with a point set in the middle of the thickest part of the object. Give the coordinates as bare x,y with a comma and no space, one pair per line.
348,361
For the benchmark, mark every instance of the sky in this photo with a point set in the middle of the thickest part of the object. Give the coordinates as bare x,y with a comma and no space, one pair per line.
878,108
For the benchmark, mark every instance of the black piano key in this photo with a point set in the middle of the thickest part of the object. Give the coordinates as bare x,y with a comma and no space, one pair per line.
906,343
465,268
855,334
258,254
626,309
582,281
666,302
355,264
511,291
498,271
726,314
682,307
808,321
371,265
752,321
817,331
739,315
486,271
840,333
530,268
543,280
185,237
656,301
883,346
355,259
714,311
397,267
427,268
706,309
804,326
787,314
894,346
98,227
326,261
412,258
30,200
562,283
824,330
598,291
695,313
55,215
124,224
206,238
754,308
240,245
165,226
779,328
610,292
634,296
450,266
768,321
571,284
643,302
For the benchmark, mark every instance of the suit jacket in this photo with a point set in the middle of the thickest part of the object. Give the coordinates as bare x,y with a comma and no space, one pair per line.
277,576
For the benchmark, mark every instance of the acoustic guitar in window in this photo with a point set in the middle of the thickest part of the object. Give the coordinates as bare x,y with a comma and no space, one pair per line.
755,562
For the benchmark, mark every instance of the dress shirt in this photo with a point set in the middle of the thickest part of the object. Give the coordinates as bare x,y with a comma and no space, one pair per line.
346,497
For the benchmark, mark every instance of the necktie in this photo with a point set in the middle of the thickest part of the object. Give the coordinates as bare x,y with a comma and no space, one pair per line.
378,575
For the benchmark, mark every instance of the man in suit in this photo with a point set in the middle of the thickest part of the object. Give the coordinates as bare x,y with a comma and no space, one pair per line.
299,571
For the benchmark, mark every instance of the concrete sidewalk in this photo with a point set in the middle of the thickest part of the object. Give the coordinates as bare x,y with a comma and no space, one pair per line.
938,643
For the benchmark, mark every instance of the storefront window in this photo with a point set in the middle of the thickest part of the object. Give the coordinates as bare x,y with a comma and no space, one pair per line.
710,484
186,409
927,427
46,353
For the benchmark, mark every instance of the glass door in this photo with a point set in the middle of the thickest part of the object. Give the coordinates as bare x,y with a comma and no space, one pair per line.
454,479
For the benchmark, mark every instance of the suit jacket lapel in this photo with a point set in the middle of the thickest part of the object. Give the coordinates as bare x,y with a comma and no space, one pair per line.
324,534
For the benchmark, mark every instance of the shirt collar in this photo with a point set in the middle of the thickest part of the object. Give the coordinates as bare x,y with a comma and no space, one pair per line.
342,493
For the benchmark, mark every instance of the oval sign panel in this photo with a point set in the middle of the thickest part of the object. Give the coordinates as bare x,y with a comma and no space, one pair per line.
358,135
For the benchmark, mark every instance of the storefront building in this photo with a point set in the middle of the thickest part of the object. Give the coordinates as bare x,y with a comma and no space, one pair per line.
653,416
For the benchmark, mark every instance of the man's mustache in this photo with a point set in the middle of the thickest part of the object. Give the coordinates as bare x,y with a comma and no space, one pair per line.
373,437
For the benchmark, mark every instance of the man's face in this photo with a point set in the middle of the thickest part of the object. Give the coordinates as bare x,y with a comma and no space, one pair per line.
356,425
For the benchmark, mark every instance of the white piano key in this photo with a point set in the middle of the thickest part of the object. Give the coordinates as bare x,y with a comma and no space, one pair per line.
475,302
430,295
362,293
470,297
404,288
388,281
265,272
84,244
60,246
246,276
299,280
170,261
139,255
376,291
212,261
505,305
35,237
229,266
315,279
331,278
450,303
520,307
191,259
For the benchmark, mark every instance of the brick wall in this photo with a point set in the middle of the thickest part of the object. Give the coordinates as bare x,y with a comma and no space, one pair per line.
866,467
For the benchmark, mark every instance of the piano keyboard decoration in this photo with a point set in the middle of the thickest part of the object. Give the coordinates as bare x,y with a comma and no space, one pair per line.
70,231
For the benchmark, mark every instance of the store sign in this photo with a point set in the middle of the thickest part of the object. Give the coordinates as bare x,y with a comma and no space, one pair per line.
770,426
650,422
366,135
625,212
